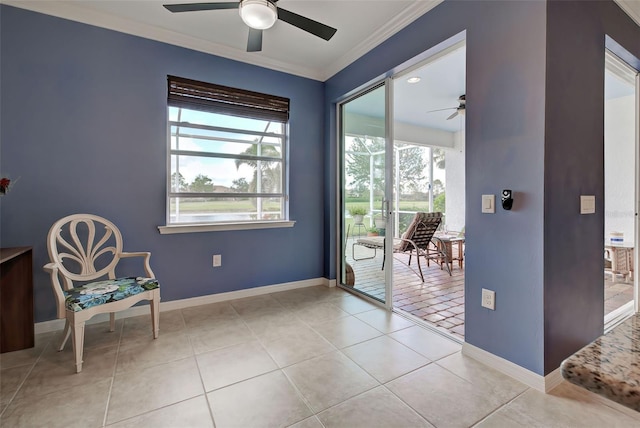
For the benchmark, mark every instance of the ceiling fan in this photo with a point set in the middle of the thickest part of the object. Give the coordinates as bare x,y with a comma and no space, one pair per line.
458,110
259,15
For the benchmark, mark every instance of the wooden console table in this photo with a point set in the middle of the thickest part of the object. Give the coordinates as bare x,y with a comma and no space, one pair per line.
16,299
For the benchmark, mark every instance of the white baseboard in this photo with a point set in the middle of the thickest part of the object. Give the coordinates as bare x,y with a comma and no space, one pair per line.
553,379
58,324
529,378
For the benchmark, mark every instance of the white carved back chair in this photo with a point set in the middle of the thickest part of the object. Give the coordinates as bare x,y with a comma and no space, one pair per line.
82,249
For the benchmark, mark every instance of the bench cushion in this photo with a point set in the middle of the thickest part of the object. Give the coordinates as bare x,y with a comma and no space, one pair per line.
111,290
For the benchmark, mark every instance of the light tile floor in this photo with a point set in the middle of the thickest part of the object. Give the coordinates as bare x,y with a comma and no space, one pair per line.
310,357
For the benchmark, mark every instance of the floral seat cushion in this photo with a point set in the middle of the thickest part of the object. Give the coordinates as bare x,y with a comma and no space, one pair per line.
111,290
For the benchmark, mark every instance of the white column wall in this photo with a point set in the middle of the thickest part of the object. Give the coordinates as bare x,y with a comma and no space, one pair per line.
619,161
455,183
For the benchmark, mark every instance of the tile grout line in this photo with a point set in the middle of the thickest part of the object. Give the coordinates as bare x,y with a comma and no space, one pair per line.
113,376
195,358
500,407
302,397
407,404
33,366
281,369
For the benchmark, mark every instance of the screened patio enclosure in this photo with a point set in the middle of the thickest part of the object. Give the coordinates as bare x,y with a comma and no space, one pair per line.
419,181
426,178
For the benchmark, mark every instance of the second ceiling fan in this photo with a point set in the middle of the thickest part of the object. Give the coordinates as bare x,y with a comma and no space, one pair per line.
259,15
462,105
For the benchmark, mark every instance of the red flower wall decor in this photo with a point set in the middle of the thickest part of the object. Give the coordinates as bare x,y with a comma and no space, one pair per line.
4,185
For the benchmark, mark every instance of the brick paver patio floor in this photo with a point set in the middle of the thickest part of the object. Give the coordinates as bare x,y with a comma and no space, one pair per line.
438,300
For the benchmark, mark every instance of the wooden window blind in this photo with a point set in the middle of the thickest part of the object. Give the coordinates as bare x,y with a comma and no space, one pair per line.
213,98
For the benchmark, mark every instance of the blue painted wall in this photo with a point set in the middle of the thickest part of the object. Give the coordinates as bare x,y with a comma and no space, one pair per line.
83,114
574,165
530,67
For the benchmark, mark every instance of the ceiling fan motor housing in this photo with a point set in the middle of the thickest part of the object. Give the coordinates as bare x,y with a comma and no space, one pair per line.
258,14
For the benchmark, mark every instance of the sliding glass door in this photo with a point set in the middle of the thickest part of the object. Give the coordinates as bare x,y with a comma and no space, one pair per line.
621,191
365,232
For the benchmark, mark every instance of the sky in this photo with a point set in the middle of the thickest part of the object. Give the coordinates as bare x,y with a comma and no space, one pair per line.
222,171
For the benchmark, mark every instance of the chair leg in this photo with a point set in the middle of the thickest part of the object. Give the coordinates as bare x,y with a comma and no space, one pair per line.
112,321
65,335
445,258
78,344
155,315
419,267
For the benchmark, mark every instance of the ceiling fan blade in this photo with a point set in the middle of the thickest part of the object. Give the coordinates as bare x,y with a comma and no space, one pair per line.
442,109
454,114
193,7
254,44
309,25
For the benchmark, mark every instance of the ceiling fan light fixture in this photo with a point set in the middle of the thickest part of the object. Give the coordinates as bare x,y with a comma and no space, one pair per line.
258,14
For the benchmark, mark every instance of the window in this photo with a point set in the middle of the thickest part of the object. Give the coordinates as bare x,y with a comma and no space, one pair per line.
227,150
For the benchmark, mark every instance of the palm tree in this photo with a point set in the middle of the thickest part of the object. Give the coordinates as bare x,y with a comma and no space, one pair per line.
270,171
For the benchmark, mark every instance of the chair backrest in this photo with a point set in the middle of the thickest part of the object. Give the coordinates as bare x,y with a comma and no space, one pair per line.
421,230
85,247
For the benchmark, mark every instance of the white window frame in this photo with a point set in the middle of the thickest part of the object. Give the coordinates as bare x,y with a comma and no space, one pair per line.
188,227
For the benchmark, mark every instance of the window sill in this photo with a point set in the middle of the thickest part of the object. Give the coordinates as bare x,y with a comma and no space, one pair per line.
196,228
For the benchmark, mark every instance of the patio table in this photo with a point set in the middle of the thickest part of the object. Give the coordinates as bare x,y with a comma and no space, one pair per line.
447,241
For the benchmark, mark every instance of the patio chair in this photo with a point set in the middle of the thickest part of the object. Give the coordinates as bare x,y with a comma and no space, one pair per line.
74,263
419,239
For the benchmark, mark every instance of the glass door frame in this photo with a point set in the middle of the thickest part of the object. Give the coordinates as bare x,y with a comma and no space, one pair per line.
636,256
620,314
387,204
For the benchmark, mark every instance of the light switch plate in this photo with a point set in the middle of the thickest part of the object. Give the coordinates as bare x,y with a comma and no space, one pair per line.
587,204
217,260
489,204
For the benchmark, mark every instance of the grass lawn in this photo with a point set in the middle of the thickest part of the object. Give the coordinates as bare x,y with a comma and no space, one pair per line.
410,206
247,206
223,206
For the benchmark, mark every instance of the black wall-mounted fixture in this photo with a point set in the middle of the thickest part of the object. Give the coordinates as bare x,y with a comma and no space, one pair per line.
507,199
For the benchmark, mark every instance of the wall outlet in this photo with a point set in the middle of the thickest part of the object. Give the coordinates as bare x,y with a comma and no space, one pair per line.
488,299
217,260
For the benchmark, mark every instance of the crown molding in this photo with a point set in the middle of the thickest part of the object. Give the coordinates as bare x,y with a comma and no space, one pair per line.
631,8
406,17
66,10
